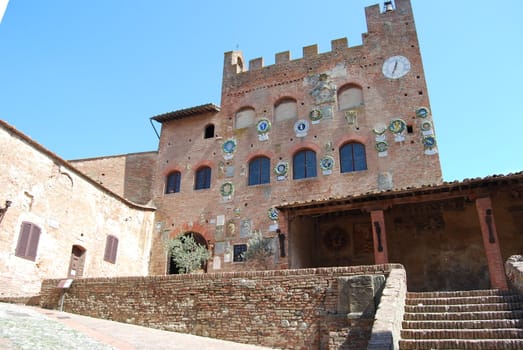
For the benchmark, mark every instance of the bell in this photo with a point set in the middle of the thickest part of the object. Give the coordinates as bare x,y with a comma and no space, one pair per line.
388,6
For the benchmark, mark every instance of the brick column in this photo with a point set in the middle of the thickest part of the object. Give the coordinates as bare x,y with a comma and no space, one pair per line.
495,264
379,237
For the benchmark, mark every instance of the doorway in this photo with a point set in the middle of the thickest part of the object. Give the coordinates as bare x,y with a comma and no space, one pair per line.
76,264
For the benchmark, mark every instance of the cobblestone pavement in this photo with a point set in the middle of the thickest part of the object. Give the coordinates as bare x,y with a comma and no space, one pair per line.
24,327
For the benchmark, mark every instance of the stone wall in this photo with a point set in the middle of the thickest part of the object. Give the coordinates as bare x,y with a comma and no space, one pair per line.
72,211
326,308
514,271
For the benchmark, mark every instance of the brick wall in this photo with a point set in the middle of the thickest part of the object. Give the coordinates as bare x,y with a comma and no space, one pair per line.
259,89
288,309
129,175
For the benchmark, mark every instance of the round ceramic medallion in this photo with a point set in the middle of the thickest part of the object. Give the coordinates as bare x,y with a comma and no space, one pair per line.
422,112
426,126
382,146
315,115
397,126
263,126
229,146
226,189
301,127
429,141
272,213
327,163
281,168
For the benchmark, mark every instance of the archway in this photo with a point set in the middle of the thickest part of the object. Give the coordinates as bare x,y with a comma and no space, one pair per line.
172,268
76,264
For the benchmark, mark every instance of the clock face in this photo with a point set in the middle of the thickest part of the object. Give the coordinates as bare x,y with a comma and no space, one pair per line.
395,67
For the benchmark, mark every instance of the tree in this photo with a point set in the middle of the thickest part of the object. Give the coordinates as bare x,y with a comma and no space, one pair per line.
259,249
188,254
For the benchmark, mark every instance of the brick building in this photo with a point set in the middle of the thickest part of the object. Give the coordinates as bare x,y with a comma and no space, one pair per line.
333,157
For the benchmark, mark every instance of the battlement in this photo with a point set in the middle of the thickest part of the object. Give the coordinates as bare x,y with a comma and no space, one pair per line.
375,15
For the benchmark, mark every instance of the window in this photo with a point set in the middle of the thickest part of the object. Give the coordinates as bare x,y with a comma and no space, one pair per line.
259,171
28,239
111,246
304,164
352,157
173,182
209,131
203,178
238,252
350,96
286,109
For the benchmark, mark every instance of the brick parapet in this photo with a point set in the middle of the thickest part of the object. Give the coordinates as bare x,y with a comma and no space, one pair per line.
292,309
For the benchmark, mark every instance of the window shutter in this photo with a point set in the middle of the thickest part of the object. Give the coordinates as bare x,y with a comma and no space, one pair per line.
111,247
298,166
33,242
27,246
360,162
254,172
265,170
23,239
310,164
114,249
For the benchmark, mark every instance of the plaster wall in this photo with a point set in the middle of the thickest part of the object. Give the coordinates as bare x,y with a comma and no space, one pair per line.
70,209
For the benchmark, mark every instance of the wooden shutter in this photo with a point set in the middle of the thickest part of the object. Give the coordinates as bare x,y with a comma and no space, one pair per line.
298,166
310,164
111,247
254,172
28,240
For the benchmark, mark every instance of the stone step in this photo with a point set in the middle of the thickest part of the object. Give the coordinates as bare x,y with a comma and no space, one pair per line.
463,316
455,294
504,333
463,308
465,344
484,299
467,324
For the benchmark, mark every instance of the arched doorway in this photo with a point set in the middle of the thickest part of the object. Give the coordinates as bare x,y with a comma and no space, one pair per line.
76,264
172,267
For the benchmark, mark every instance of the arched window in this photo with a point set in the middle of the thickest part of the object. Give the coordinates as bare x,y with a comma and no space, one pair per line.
350,96
172,183
352,157
259,171
285,109
304,164
244,118
202,179
209,132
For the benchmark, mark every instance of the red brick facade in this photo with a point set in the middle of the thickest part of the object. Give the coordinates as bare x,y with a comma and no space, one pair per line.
284,94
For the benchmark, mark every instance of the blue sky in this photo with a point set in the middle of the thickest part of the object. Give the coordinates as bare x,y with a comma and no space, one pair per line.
83,77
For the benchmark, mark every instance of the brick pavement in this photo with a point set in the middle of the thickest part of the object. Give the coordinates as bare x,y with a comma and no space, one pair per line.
25,327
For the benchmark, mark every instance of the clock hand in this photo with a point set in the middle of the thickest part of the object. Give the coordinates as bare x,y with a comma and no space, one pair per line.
395,67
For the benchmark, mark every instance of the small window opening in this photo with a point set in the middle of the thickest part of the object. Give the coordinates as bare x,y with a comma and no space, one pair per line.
209,131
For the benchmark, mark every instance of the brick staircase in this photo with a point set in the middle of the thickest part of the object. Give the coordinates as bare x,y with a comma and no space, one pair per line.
479,320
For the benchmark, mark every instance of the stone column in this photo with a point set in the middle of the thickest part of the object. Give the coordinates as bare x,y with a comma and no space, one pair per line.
496,271
379,236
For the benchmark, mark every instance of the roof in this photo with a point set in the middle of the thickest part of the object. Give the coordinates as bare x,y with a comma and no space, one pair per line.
441,191
187,112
